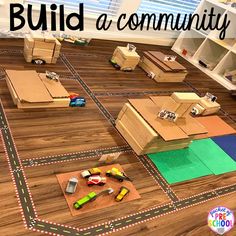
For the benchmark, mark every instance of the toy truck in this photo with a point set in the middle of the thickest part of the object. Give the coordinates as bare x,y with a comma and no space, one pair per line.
72,185
116,174
91,197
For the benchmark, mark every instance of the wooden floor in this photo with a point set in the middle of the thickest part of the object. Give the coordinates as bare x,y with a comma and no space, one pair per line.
44,133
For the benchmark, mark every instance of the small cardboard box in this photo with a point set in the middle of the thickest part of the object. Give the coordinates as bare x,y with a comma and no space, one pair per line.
209,106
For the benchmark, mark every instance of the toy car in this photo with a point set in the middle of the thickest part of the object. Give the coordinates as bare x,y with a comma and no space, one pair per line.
115,173
122,193
78,102
91,197
113,62
72,185
96,180
88,198
90,172
52,76
38,62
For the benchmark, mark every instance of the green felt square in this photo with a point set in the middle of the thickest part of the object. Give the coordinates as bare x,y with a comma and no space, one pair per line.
213,156
179,165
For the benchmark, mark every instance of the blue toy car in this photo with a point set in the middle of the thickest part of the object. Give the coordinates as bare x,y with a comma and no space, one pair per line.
78,102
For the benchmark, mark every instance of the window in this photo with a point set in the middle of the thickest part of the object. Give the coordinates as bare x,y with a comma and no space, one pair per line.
109,7
168,6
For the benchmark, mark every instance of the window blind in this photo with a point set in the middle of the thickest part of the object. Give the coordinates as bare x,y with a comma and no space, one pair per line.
168,6
95,7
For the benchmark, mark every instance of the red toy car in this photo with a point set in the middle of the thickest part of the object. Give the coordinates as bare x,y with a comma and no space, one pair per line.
96,180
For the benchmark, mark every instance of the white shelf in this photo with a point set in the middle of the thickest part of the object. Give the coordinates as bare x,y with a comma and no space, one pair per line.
220,79
206,45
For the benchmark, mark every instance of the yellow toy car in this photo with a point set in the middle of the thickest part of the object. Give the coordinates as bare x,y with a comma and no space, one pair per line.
122,193
115,173
90,172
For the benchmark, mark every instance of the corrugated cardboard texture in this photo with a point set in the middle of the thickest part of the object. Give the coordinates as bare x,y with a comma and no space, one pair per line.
158,59
28,86
149,111
55,88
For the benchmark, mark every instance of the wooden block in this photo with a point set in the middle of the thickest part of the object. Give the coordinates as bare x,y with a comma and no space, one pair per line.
128,54
28,51
44,45
185,97
54,60
37,36
137,126
210,107
121,113
28,58
130,140
57,46
28,41
56,54
42,53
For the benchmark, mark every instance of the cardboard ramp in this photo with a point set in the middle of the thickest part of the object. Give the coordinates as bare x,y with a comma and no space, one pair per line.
228,144
101,202
215,127
32,90
28,86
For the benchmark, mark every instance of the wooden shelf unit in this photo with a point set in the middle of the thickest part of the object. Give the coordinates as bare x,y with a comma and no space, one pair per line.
207,46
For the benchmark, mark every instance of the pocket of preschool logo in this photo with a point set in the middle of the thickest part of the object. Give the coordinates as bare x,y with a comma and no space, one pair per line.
221,220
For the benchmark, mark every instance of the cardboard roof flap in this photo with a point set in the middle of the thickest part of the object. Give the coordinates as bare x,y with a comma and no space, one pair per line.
55,88
28,86
32,87
149,110
168,66
182,129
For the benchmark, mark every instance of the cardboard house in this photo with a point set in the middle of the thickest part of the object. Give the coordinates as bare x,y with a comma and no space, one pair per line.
139,124
158,67
32,90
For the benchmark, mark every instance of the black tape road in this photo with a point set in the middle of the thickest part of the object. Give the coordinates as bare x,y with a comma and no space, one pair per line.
17,171
127,93
74,156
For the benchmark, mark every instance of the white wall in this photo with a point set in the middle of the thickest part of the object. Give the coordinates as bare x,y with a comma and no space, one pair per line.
127,6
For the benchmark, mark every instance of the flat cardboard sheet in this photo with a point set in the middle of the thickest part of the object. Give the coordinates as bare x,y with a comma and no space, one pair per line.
189,125
215,127
102,201
28,86
158,59
180,165
227,144
55,88
149,110
213,156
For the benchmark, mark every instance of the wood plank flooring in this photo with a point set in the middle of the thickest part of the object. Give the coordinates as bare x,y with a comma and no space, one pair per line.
52,132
